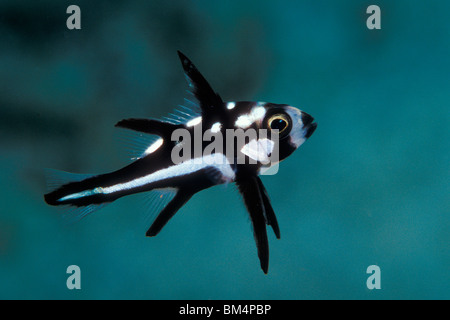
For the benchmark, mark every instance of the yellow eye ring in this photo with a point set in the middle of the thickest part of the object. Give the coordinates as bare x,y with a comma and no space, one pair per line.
278,122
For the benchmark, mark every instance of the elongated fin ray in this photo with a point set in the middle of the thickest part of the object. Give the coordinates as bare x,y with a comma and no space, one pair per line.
192,105
269,214
135,143
210,101
181,115
56,178
71,214
249,188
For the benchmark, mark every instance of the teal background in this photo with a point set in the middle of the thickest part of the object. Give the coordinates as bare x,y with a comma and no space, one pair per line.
371,186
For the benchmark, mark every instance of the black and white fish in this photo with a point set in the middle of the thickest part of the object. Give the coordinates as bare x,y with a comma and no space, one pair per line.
175,182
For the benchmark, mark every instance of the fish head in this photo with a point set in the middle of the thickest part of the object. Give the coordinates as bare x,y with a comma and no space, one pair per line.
281,129
290,127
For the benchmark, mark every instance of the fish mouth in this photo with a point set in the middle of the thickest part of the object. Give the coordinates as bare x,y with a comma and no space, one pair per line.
308,124
310,129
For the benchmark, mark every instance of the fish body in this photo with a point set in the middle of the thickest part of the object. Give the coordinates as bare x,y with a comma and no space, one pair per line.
278,129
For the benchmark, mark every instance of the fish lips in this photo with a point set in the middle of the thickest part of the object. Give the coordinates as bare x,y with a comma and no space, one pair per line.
308,124
310,129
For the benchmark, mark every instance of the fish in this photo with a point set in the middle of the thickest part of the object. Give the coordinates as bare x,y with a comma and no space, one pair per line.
175,181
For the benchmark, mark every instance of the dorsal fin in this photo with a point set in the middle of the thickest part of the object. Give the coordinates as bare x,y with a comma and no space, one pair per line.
210,102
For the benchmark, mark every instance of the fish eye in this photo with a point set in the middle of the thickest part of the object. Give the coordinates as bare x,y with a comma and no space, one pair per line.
279,122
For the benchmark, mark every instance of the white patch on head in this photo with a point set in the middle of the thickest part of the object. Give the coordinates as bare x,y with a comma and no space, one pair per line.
245,121
259,150
297,135
155,146
194,122
231,105
216,127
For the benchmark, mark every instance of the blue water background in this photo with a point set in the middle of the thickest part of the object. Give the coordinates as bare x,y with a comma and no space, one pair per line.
371,186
